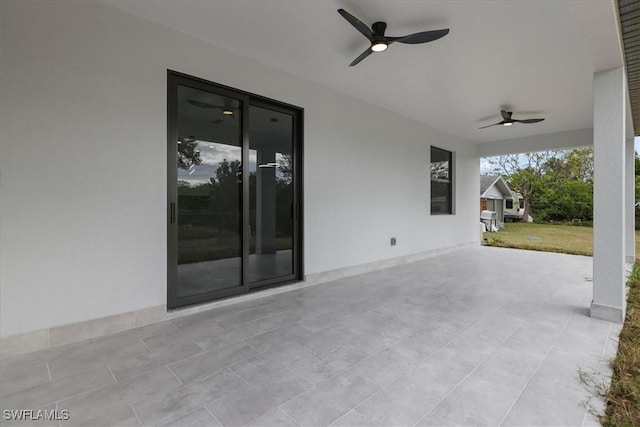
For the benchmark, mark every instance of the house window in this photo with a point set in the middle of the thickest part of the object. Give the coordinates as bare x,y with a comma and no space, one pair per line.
509,203
441,181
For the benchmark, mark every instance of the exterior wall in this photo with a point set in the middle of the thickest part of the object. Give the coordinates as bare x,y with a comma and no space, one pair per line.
493,193
83,142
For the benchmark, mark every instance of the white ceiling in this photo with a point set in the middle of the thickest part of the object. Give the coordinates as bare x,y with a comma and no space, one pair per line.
535,58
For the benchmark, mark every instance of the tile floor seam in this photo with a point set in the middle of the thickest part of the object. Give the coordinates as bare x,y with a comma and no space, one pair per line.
243,340
253,348
314,387
602,360
299,376
350,411
136,414
467,376
278,407
323,381
202,349
145,344
230,369
81,394
535,371
180,382
140,399
287,414
111,372
211,413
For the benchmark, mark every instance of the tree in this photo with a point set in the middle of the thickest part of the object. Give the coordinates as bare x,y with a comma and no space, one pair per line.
557,185
568,192
524,174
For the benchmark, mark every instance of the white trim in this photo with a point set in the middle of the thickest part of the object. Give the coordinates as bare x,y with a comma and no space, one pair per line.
605,312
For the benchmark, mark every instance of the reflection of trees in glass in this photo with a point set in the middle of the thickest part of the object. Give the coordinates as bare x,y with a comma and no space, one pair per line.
187,153
440,170
285,167
211,211
225,199
210,216
284,199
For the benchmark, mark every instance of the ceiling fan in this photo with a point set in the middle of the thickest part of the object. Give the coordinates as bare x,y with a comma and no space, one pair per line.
380,42
508,121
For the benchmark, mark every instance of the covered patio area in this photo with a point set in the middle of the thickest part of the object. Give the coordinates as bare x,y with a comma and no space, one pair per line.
482,336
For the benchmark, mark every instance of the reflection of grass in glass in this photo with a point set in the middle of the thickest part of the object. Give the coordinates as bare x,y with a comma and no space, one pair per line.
198,244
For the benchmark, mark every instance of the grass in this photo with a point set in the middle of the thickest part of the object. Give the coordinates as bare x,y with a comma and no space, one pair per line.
568,239
623,396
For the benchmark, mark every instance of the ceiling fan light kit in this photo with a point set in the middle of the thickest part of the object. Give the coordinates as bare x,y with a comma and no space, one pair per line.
379,47
380,42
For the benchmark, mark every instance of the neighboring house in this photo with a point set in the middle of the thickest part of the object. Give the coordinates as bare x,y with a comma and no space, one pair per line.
495,195
494,191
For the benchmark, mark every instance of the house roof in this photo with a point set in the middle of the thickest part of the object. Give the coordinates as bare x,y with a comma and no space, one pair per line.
488,181
630,28
534,58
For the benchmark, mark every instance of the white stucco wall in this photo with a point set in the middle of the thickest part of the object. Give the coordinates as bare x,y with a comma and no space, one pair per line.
83,164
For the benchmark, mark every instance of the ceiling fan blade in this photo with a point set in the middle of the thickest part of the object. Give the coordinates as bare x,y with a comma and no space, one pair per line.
358,24
201,104
529,121
361,57
495,124
506,114
417,38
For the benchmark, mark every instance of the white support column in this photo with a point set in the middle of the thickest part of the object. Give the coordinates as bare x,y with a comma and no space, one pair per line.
630,199
609,211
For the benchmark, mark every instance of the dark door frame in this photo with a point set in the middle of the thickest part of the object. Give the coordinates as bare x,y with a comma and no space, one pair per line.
175,79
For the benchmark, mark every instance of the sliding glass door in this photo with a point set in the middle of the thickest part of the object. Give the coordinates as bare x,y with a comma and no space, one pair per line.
271,191
233,191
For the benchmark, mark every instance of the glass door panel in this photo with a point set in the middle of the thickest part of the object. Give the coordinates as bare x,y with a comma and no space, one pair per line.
209,192
271,190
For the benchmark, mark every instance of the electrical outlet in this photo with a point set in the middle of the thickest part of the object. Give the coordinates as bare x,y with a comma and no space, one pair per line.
393,241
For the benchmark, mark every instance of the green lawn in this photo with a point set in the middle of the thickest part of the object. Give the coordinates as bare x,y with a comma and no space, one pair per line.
568,239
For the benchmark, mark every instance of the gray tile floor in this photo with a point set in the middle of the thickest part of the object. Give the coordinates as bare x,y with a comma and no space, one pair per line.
485,336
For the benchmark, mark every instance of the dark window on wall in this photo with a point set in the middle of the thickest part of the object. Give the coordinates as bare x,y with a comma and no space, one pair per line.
509,203
441,181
